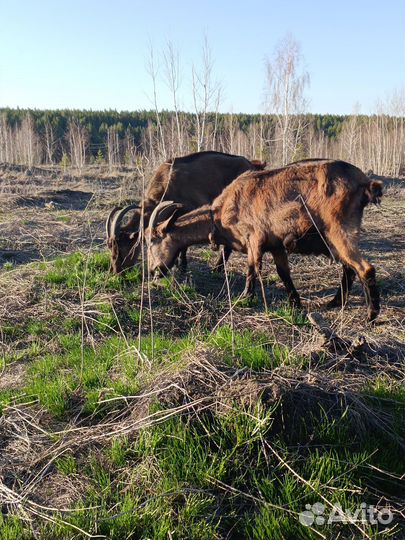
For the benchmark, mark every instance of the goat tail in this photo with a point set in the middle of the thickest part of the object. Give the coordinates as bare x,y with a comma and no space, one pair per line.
374,191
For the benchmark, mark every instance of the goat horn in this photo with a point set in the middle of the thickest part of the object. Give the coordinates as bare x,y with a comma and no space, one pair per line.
116,222
165,205
108,221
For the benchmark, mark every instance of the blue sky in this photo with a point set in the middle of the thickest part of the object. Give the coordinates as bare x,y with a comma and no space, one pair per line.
92,54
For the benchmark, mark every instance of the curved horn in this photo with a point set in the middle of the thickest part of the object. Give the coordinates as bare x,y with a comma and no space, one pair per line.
116,222
109,220
165,205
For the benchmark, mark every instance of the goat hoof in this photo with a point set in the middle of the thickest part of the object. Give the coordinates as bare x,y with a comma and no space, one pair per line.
295,303
246,295
372,314
334,303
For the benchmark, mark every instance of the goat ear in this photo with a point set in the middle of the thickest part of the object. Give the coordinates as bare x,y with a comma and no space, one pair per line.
258,165
166,225
374,191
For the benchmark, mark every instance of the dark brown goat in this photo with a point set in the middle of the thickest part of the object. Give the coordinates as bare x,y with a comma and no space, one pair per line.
192,180
309,207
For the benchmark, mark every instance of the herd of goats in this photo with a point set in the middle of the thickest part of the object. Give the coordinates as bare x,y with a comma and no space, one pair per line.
313,206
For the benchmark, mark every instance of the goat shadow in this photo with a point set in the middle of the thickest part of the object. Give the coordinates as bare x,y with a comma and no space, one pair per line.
209,283
214,284
64,199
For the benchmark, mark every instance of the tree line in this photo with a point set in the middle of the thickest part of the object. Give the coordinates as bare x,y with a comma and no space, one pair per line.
74,138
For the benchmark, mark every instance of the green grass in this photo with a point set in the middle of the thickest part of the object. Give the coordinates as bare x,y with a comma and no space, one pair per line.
175,291
251,349
12,528
9,265
66,464
290,315
387,395
89,272
384,387
106,319
248,302
74,380
170,479
206,254
285,311
36,328
174,476
63,218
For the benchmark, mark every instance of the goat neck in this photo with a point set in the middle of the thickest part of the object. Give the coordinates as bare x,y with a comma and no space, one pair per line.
193,228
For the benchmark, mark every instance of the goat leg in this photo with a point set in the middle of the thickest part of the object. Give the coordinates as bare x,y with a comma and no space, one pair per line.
250,284
372,294
254,267
342,294
283,270
182,260
219,265
350,255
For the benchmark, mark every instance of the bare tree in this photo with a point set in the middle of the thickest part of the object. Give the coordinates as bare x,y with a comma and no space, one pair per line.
6,141
50,142
376,142
316,142
77,137
215,125
397,110
206,96
153,70
230,135
350,136
130,150
113,147
27,143
172,77
285,86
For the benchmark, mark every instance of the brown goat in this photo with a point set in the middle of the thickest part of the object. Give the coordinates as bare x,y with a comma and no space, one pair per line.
192,180
309,207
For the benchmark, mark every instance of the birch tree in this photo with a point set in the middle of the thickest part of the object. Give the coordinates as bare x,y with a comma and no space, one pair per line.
286,81
350,136
77,137
172,78
153,71
113,147
50,142
206,97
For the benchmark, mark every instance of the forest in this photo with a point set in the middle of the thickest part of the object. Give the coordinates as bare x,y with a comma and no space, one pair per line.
74,138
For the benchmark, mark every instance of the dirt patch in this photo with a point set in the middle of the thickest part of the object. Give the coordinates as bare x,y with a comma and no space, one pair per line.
13,376
59,490
18,256
65,199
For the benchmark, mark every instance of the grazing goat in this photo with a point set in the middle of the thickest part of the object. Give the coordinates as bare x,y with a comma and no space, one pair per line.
192,180
309,207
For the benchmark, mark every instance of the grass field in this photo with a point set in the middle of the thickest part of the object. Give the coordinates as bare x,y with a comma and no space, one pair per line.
172,410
